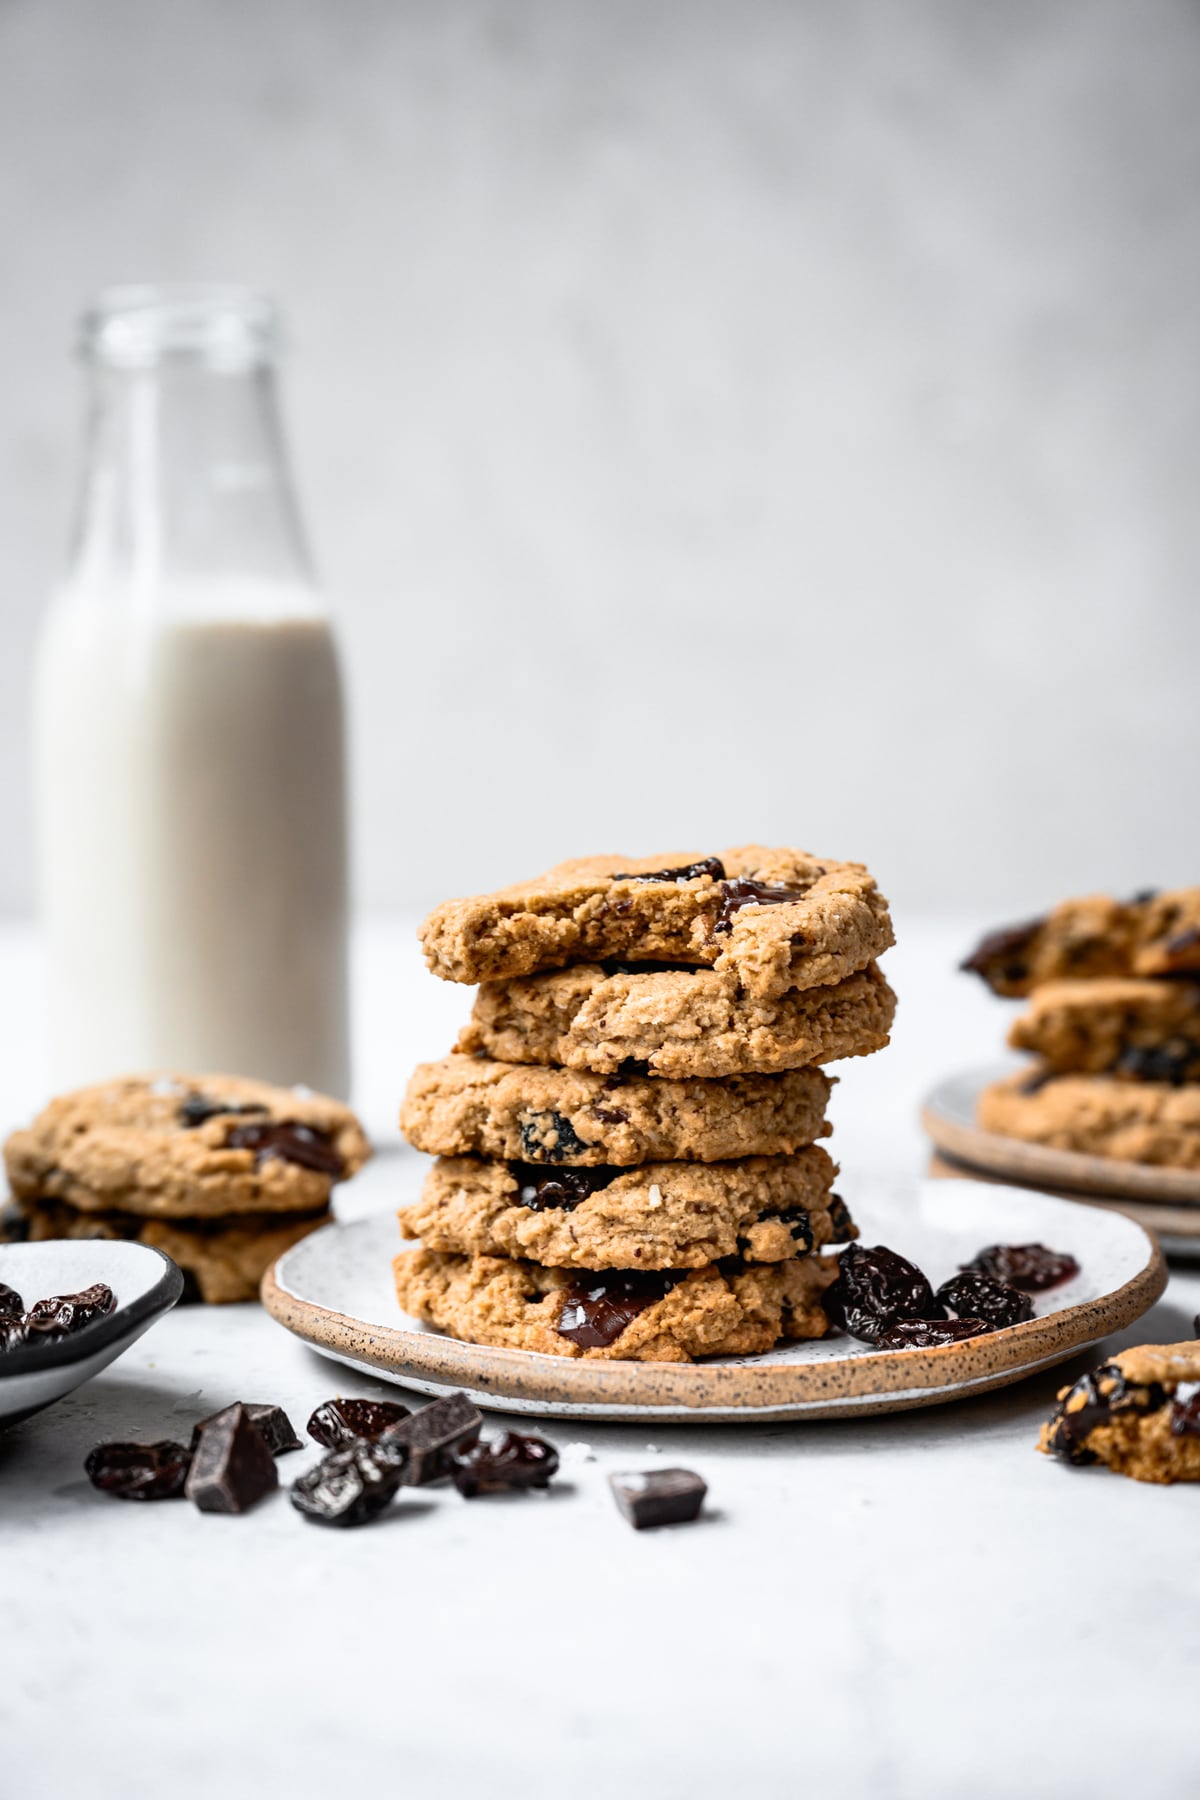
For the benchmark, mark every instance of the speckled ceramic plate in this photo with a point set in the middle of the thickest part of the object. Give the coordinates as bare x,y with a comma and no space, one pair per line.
1167,1200
334,1290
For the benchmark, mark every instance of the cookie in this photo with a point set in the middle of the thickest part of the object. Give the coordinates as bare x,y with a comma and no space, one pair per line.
733,1308
681,1023
658,1216
1139,1414
1143,1029
222,1259
1152,934
766,920
472,1106
1100,1115
187,1147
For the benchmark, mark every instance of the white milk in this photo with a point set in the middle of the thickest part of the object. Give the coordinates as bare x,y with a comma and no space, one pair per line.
191,804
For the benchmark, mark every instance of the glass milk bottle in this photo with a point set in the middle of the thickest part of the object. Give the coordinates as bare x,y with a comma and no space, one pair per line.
189,743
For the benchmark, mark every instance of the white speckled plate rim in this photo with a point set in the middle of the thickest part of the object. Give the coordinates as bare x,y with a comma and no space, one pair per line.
336,1285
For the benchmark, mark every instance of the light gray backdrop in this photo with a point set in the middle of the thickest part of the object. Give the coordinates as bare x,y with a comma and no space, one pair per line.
717,420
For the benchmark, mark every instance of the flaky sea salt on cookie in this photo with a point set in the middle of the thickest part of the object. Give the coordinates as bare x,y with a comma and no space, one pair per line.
767,920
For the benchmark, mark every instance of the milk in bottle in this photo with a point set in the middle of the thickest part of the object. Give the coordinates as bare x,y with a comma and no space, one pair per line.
189,721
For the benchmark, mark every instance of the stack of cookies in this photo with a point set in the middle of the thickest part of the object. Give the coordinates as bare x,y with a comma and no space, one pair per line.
221,1173
1114,1022
626,1134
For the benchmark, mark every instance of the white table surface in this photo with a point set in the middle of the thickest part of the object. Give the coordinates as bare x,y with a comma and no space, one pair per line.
909,1606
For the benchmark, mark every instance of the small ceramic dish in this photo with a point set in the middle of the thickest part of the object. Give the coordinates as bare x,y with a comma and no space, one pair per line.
145,1282
334,1290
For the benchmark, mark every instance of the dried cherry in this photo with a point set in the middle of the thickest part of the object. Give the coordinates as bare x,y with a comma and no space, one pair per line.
139,1471
11,1304
353,1485
337,1423
930,1334
516,1459
1031,1267
874,1289
61,1314
973,1295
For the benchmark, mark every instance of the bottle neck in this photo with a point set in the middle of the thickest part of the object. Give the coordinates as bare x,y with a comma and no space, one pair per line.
185,481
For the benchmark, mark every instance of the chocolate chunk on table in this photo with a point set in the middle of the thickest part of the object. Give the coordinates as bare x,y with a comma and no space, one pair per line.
659,1497
272,1421
232,1468
353,1485
336,1423
433,1434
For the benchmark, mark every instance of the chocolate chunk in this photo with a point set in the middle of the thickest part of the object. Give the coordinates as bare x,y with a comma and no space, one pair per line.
874,1290
660,1497
538,1131
232,1468
598,1307
198,1109
1185,1414
709,865
1030,1267
353,1485
563,1190
271,1421
1098,1395
516,1459
339,1422
1143,897
1006,947
843,1225
744,892
1175,1062
139,1471
63,1314
973,1295
290,1142
433,1435
930,1334
11,1304
610,1115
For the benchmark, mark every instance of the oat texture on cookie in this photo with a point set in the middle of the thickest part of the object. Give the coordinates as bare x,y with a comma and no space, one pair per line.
626,1134
220,1172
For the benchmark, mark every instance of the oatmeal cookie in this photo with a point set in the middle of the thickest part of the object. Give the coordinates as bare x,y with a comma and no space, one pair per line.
659,1216
1152,934
473,1106
222,1259
732,1308
1144,1030
186,1147
1100,1115
1139,1414
766,920
681,1023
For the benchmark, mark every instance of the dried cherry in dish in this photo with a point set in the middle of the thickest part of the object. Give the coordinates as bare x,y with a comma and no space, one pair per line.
875,1288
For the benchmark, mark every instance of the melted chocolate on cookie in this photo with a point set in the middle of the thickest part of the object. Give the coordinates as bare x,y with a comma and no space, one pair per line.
597,1308
291,1142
